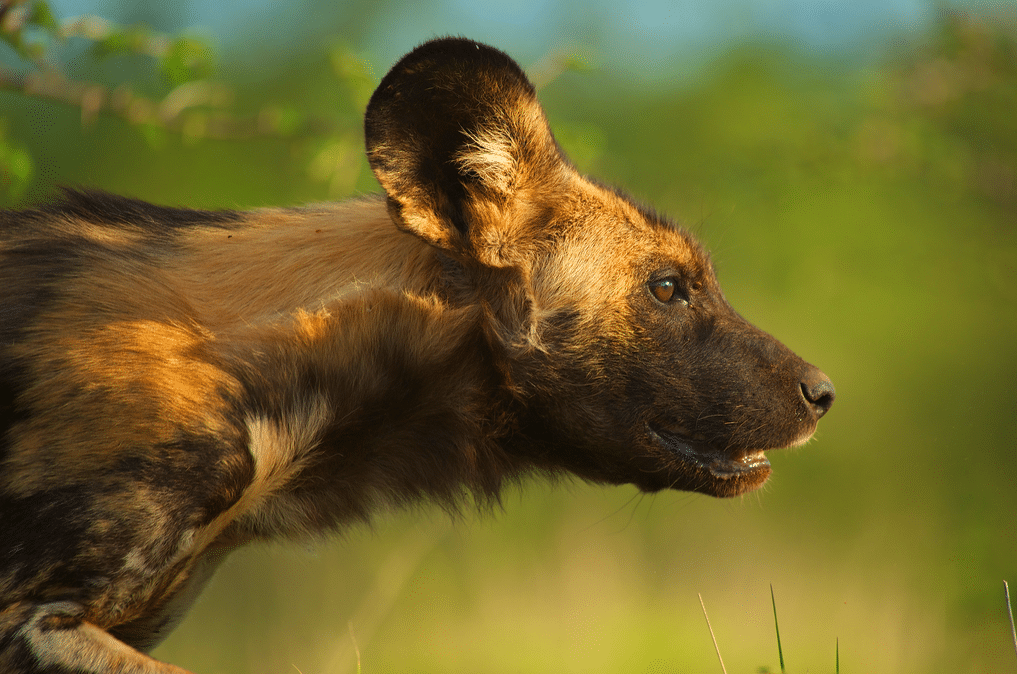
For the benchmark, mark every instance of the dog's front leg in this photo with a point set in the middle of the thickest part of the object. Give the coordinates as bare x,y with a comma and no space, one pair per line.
54,638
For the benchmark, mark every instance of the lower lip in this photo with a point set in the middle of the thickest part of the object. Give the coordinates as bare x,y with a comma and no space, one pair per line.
747,463
717,465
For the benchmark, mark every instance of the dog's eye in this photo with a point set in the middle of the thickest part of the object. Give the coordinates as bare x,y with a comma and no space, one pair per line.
665,290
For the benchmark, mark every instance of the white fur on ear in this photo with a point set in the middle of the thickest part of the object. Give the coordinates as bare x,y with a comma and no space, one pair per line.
491,155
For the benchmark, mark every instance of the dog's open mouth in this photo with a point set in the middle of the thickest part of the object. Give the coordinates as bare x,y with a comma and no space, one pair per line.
720,464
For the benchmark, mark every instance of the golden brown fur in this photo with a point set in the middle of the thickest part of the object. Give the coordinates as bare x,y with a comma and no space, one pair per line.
177,383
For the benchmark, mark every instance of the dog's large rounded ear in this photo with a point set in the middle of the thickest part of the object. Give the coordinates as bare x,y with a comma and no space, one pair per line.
457,139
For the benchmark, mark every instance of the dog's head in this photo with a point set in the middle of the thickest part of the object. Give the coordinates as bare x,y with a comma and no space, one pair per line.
615,334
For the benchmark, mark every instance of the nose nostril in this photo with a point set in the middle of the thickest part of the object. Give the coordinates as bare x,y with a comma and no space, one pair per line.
818,391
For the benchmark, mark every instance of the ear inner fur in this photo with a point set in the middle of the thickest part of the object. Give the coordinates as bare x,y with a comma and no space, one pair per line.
457,139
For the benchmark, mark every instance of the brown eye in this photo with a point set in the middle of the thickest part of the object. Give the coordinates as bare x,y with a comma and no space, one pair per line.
663,290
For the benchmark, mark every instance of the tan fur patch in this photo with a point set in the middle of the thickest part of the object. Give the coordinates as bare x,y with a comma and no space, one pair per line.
136,371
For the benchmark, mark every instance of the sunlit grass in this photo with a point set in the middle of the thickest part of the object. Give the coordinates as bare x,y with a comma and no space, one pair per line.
712,635
1009,611
776,627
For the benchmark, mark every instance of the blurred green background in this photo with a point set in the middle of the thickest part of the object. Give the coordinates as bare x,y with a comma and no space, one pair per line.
853,168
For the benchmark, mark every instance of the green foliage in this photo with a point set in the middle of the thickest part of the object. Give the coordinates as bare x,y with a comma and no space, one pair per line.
182,99
948,114
24,24
187,59
15,168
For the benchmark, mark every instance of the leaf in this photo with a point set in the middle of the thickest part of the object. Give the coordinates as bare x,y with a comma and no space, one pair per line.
16,168
186,60
43,17
122,41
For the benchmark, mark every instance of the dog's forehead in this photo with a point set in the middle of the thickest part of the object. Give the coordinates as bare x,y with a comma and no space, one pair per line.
619,227
671,242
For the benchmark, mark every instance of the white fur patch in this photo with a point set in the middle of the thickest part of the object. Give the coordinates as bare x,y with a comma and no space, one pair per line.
280,447
491,155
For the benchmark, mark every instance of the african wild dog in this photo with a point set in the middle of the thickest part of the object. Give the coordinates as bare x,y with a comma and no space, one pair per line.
176,383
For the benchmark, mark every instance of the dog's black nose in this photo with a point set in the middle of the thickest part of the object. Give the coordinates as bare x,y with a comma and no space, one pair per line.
818,391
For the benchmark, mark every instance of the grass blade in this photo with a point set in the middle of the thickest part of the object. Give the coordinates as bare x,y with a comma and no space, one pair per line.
780,653
1009,608
714,636
356,648
837,657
